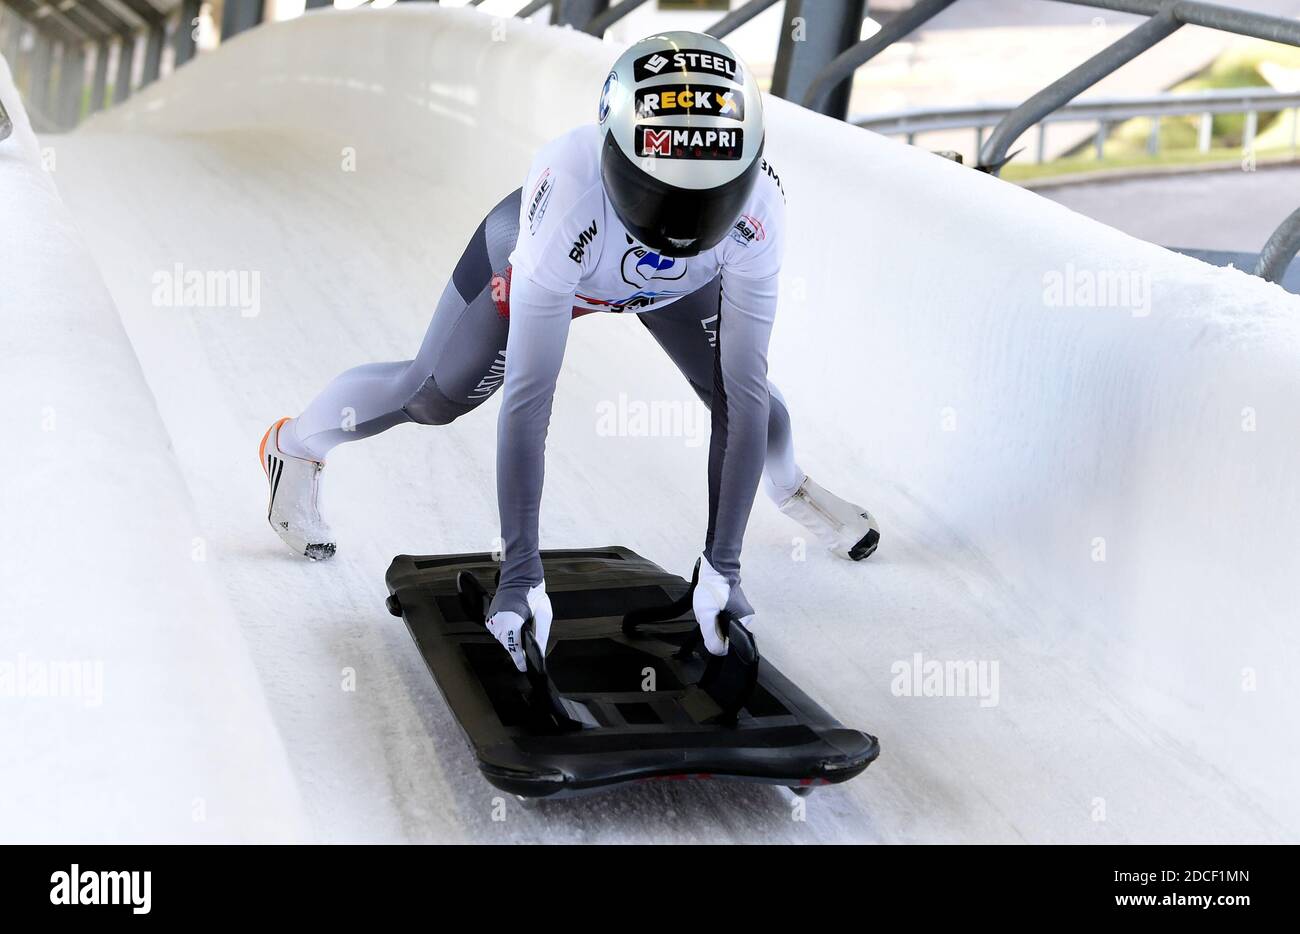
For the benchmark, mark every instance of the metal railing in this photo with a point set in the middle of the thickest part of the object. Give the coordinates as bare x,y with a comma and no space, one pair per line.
738,17
536,6
1165,17
1106,113
598,24
59,40
74,25
1280,250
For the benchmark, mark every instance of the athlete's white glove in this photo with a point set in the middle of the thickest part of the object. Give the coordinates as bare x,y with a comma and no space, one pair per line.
713,595
507,626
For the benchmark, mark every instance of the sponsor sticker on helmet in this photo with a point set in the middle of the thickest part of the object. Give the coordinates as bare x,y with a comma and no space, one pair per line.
670,100
697,61
669,142
611,83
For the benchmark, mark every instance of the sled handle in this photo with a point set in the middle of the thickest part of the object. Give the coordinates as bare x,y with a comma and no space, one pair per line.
634,619
475,600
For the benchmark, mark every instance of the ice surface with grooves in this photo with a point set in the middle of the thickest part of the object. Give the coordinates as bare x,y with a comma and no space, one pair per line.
1100,500
130,708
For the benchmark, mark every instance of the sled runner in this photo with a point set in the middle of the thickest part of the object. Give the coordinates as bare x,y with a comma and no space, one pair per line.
627,691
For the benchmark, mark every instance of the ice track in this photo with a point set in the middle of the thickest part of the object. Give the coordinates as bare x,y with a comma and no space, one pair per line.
1004,440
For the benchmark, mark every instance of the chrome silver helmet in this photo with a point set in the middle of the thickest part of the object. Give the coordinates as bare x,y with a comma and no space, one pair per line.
682,136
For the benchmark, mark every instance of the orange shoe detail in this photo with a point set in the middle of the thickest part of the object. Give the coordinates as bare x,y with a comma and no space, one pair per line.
261,448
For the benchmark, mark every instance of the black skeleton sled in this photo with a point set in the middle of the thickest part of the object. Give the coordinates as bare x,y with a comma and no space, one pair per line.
626,692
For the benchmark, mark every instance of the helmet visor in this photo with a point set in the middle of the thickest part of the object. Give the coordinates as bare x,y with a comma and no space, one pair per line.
670,220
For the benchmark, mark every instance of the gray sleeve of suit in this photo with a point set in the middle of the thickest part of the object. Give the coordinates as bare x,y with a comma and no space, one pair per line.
539,329
740,413
558,204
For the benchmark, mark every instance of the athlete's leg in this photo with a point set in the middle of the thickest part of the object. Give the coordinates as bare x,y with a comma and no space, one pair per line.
687,330
460,363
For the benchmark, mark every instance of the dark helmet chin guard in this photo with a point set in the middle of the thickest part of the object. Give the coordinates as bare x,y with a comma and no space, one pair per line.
670,220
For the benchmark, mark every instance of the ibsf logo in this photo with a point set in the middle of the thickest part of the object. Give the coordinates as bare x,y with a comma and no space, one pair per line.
748,230
611,83
537,203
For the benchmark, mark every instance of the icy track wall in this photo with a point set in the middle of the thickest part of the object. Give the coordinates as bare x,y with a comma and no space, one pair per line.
1127,466
129,707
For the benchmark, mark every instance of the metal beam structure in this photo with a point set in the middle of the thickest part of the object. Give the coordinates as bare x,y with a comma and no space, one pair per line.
13,42
99,83
813,33
125,61
1280,250
993,155
153,50
42,65
1166,17
51,23
1117,109
65,31
84,24
14,32
738,17
535,6
598,24
842,66
147,12
238,16
577,13
72,80
107,20
818,52
85,19
183,43
1209,15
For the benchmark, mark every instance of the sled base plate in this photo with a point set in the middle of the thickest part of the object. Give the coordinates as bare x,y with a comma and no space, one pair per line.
640,715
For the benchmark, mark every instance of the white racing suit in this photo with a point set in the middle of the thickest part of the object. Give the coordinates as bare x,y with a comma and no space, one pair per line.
548,253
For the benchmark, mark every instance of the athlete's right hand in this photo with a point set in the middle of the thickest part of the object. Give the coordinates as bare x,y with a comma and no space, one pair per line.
507,626
713,595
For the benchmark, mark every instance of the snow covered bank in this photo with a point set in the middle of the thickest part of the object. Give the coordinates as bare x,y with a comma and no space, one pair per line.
129,706
1082,448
